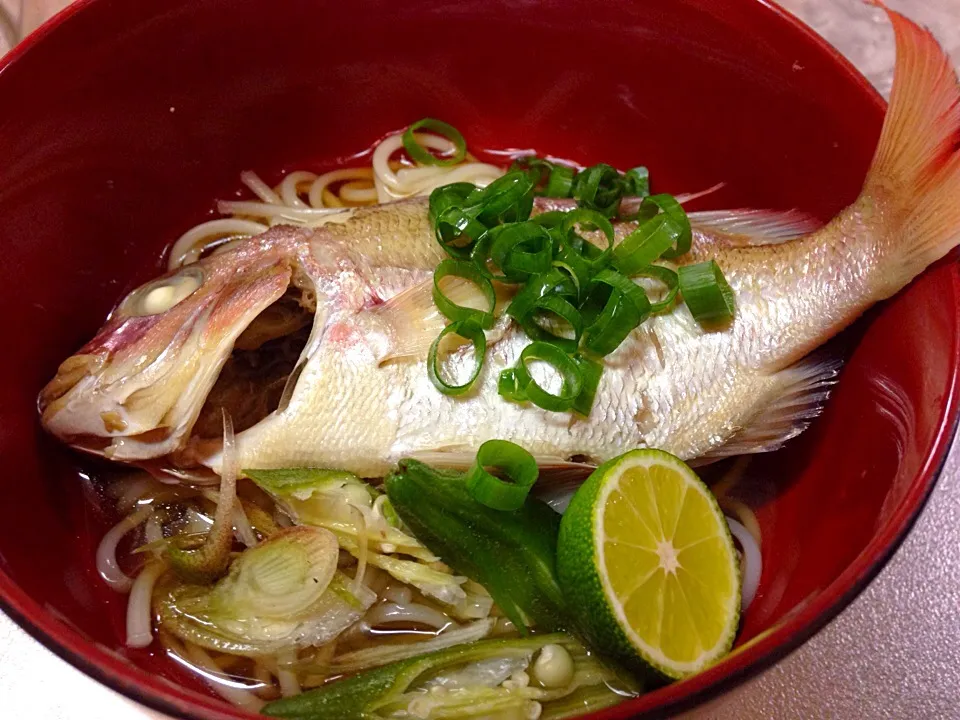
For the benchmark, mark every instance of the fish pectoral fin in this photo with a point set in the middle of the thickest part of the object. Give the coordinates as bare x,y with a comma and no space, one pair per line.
751,228
413,322
797,395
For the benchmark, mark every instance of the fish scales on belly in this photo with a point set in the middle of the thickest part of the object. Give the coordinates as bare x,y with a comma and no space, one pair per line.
360,397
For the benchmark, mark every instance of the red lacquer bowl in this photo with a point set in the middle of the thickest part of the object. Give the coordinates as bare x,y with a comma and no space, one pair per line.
122,121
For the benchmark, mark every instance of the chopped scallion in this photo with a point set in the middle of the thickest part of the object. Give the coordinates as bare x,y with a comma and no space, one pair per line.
420,154
517,464
706,293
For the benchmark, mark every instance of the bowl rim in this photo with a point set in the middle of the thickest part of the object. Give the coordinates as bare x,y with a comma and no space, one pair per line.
748,661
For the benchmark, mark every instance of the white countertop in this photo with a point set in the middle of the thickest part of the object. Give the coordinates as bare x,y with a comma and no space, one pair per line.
893,653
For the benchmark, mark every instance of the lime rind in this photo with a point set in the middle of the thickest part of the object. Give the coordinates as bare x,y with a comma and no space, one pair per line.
602,613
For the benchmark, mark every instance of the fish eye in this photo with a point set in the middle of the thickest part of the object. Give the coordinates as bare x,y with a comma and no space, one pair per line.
161,295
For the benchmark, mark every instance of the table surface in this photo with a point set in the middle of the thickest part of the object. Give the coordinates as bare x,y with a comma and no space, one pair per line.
893,653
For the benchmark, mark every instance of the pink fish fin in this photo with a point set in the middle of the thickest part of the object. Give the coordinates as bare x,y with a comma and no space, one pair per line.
553,469
755,227
796,396
690,197
915,173
412,321
630,204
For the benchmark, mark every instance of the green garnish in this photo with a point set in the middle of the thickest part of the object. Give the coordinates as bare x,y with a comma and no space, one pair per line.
511,554
706,293
637,182
668,278
562,363
600,188
515,462
468,330
420,154
467,271
401,688
577,292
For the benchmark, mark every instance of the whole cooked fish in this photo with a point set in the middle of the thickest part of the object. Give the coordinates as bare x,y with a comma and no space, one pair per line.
357,396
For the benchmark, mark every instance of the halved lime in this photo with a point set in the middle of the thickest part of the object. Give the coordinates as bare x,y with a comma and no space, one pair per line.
651,570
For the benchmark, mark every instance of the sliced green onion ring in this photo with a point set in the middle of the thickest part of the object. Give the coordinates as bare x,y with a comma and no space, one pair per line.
591,372
457,231
521,249
420,154
447,196
550,219
627,306
600,188
615,322
525,301
589,220
508,387
706,292
637,182
537,168
480,256
671,209
467,271
636,294
647,243
468,330
666,276
571,263
509,198
519,466
560,182
562,363
563,309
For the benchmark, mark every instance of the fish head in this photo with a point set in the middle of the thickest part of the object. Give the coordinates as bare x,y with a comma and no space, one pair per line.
137,388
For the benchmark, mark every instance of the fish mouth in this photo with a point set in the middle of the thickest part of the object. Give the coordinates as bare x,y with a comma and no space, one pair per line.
152,386
259,374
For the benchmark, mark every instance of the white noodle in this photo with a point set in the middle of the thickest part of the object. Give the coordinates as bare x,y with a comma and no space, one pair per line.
259,188
275,211
422,180
323,181
204,665
290,188
107,564
383,151
353,192
385,613
398,594
289,685
191,244
752,563
285,204
139,614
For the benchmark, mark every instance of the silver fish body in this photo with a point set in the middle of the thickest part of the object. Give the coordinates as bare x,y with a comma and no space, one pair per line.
359,396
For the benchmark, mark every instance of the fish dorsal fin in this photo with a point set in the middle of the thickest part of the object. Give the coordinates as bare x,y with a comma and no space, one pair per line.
756,227
412,320
797,396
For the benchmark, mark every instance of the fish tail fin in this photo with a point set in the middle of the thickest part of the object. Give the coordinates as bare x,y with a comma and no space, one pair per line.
916,168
